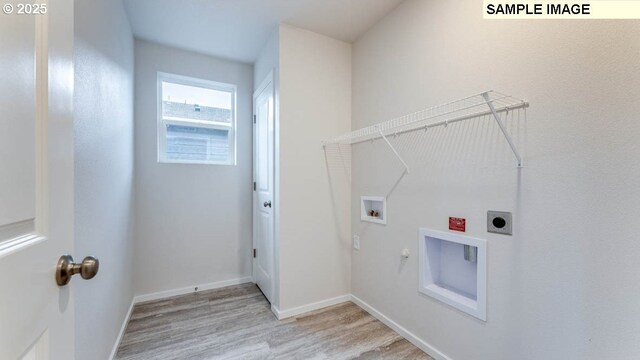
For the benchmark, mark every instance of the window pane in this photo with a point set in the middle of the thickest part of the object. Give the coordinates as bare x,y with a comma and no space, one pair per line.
197,144
197,103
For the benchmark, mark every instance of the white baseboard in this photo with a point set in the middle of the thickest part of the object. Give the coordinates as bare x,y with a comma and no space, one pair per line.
190,289
283,314
412,338
122,329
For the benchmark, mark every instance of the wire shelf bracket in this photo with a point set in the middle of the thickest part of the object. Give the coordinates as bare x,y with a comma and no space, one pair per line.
487,103
507,136
406,167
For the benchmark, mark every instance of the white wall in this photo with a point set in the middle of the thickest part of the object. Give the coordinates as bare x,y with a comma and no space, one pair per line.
563,286
193,222
103,126
315,103
268,59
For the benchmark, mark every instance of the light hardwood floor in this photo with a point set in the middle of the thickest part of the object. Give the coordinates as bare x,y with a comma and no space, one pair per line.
236,322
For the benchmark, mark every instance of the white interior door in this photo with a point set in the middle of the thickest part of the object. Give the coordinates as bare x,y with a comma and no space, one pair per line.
263,197
36,179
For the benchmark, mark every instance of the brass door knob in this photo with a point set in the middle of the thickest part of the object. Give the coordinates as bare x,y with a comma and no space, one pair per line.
66,268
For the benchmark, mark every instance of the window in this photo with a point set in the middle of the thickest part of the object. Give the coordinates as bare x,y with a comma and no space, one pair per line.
196,121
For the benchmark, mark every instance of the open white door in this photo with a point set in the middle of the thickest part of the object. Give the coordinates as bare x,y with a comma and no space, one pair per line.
36,179
263,195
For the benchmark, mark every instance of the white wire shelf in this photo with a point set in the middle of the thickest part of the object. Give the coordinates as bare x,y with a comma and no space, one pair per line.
486,103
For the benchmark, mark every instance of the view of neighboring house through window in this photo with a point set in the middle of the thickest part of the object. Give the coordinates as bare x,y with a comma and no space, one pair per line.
196,121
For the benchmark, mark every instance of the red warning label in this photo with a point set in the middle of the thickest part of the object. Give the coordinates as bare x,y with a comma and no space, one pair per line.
457,224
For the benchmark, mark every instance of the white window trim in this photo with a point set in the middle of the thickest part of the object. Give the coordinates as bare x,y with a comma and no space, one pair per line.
163,121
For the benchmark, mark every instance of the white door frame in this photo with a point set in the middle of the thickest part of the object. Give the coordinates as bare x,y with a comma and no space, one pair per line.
268,81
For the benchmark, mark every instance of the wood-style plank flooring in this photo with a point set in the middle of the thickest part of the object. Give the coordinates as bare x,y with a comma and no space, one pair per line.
236,322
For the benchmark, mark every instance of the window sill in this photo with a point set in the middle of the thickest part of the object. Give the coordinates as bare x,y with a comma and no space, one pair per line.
195,162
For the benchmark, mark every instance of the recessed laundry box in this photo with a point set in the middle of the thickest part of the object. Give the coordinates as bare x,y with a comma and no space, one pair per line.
453,270
373,209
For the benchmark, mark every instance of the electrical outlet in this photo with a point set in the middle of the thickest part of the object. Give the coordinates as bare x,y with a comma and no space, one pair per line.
499,222
356,242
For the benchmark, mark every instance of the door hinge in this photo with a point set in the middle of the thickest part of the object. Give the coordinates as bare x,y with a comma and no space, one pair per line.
254,186
254,119
254,253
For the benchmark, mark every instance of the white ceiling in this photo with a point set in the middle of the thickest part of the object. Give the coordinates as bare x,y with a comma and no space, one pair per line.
237,29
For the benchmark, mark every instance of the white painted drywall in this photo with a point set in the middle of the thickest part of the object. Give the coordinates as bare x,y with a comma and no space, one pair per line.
314,104
237,30
103,126
268,62
193,222
268,59
564,285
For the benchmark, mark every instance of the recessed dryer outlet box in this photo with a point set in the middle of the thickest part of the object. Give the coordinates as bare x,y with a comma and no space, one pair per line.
447,273
499,222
